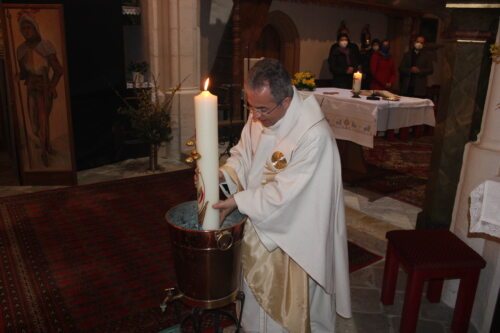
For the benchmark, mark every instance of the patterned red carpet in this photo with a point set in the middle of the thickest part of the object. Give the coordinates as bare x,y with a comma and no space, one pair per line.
408,163
89,258
92,258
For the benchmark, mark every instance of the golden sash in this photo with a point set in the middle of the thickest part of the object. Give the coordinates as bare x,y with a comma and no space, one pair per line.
279,285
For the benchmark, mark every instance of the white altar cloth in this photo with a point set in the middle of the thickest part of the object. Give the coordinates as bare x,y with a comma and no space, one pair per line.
359,119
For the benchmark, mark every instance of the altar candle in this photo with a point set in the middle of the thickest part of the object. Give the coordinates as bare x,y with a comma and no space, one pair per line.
356,81
207,145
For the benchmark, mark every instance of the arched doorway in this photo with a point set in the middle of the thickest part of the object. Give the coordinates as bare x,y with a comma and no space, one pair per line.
280,39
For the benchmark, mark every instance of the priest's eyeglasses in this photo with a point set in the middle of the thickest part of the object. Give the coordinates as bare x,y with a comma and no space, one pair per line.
262,110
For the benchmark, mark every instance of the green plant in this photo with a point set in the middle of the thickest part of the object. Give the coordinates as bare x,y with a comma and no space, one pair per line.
149,113
138,66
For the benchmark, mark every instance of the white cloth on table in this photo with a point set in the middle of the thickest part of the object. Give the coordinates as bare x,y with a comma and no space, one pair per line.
359,119
485,208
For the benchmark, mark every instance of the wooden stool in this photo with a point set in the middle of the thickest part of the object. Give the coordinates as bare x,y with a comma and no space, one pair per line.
431,255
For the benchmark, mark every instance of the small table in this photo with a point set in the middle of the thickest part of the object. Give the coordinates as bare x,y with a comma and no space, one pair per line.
430,255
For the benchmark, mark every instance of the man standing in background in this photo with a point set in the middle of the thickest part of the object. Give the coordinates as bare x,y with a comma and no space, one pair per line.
415,67
343,61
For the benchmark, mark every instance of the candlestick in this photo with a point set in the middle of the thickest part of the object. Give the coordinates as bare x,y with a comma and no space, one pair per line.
356,82
207,146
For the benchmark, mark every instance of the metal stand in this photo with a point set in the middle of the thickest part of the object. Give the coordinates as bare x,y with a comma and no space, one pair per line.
198,314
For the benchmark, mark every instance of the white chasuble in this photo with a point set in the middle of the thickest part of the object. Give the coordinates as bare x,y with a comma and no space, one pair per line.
287,179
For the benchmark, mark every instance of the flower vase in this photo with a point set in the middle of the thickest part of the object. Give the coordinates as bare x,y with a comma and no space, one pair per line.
153,156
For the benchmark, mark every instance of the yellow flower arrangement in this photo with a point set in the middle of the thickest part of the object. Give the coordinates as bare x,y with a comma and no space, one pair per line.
304,81
495,52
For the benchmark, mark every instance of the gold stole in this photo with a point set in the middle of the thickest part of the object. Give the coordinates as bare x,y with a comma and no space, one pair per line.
279,284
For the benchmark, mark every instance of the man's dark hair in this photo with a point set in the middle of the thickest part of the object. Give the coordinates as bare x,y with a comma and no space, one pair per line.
270,73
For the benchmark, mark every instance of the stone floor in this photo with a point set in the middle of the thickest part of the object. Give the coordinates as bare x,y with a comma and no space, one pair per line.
368,218
370,316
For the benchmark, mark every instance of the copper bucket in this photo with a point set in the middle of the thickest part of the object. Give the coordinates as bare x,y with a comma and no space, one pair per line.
207,262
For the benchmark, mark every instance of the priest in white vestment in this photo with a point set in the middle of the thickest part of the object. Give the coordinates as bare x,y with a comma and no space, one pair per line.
285,175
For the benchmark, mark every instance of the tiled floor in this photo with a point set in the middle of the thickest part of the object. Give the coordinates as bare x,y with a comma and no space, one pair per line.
370,316
368,217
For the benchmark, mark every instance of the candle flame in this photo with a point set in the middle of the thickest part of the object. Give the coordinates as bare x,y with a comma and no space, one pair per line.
207,81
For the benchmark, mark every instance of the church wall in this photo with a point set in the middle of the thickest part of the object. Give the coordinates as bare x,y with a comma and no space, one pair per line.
318,25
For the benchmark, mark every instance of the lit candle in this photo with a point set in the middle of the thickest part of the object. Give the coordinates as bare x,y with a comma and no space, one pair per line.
356,82
207,145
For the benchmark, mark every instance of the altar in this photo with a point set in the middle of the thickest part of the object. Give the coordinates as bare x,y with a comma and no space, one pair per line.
356,121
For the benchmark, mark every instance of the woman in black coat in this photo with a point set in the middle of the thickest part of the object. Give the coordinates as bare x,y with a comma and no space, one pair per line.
343,61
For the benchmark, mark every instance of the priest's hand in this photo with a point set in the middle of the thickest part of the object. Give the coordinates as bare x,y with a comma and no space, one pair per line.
225,207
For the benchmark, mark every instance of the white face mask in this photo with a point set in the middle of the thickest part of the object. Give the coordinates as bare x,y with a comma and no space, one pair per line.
343,43
418,46
376,47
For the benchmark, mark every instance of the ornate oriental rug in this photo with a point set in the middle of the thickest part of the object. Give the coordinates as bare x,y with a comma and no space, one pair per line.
407,164
90,258
93,258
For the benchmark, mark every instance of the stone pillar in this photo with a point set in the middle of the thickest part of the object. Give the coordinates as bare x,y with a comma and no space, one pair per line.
173,39
481,161
458,103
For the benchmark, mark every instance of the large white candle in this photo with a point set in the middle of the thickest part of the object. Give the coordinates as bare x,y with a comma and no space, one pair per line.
356,82
207,145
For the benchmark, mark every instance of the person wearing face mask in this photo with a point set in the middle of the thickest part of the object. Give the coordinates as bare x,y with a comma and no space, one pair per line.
415,67
382,68
343,61
365,57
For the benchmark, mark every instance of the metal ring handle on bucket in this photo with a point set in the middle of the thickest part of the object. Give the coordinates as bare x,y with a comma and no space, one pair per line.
224,240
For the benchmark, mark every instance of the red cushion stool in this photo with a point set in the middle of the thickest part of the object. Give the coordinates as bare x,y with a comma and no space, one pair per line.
430,255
